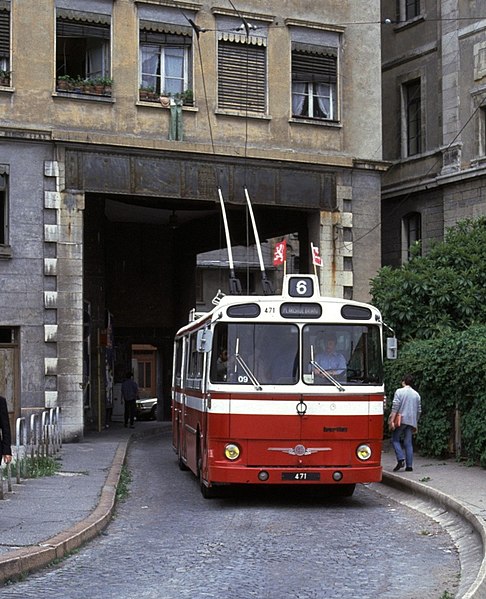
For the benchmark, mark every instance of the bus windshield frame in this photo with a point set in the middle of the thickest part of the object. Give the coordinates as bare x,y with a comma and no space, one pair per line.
257,353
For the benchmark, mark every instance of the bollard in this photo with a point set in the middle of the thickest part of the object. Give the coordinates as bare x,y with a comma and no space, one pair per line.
34,437
9,477
20,430
44,445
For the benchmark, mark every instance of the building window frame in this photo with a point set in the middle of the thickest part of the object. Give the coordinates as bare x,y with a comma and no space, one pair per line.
314,82
4,213
242,81
83,45
482,131
5,50
412,118
407,10
411,233
165,59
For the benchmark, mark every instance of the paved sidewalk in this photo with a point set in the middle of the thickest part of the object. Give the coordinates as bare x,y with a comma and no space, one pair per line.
43,519
456,490
77,503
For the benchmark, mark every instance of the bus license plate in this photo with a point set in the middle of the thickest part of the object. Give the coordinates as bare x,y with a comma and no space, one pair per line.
297,476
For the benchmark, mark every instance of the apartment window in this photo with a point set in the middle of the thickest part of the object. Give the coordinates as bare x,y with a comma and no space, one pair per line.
4,42
165,58
412,9
242,73
408,9
411,233
314,82
4,239
482,131
82,45
413,117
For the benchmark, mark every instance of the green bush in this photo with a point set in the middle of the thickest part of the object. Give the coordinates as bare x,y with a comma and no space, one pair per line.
449,374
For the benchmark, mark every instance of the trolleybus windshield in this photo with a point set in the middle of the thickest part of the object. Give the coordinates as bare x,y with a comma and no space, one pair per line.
347,353
257,354
284,354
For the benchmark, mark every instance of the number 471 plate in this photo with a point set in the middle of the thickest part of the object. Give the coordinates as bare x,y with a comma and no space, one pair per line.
297,476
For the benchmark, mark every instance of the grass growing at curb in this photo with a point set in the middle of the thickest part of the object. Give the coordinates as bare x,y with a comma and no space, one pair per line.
41,466
35,467
123,487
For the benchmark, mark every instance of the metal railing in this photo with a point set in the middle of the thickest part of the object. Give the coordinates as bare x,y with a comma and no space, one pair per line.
38,438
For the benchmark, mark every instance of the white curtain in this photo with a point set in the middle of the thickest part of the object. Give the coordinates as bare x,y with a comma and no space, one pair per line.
298,97
324,99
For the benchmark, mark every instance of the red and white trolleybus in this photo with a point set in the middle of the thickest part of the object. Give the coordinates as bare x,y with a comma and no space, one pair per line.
280,389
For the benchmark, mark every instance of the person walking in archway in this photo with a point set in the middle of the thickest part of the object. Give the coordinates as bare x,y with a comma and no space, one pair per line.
129,394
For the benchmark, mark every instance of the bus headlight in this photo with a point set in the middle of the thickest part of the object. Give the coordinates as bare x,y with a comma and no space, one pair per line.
363,452
232,451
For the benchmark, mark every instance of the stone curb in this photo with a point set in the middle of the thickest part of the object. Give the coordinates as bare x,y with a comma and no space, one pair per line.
478,588
22,561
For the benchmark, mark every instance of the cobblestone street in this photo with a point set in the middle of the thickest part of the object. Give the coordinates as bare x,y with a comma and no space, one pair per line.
167,542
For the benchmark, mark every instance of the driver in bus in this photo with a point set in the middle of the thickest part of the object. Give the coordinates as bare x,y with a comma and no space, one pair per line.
329,359
222,365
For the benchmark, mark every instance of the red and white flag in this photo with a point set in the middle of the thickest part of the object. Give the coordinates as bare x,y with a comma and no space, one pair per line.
280,253
316,259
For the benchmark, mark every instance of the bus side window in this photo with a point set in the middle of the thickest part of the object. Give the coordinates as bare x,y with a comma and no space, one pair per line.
219,355
194,365
178,363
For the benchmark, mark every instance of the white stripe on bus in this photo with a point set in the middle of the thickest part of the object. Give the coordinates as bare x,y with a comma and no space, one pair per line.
288,408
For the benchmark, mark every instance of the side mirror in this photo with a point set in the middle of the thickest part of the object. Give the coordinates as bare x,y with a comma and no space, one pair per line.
204,340
392,348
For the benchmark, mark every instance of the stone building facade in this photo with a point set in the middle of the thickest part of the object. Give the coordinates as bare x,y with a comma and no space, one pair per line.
434,120
120,120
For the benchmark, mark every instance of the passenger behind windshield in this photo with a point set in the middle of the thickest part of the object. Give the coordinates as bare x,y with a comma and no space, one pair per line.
269,351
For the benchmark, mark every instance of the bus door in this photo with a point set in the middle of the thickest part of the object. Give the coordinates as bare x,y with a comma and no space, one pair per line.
178,382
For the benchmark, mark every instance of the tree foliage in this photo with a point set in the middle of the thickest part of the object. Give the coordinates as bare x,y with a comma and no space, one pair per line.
438,293
437,306
450,376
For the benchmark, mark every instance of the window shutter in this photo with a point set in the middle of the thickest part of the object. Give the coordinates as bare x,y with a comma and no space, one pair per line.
72,23
167,28
318,68
242,76
4,33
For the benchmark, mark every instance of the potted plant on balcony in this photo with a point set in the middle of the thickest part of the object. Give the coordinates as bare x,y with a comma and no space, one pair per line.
147,94
88,86
5,78
65,83
187,97
107,86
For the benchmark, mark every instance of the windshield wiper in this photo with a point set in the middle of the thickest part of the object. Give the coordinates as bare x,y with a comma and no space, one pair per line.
328,376
248,372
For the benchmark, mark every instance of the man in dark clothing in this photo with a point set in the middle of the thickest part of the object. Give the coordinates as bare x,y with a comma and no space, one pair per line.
129,393
6,437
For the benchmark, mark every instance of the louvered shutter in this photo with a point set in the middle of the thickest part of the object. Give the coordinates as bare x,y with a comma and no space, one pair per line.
242,76
317,68
77,24
4,32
